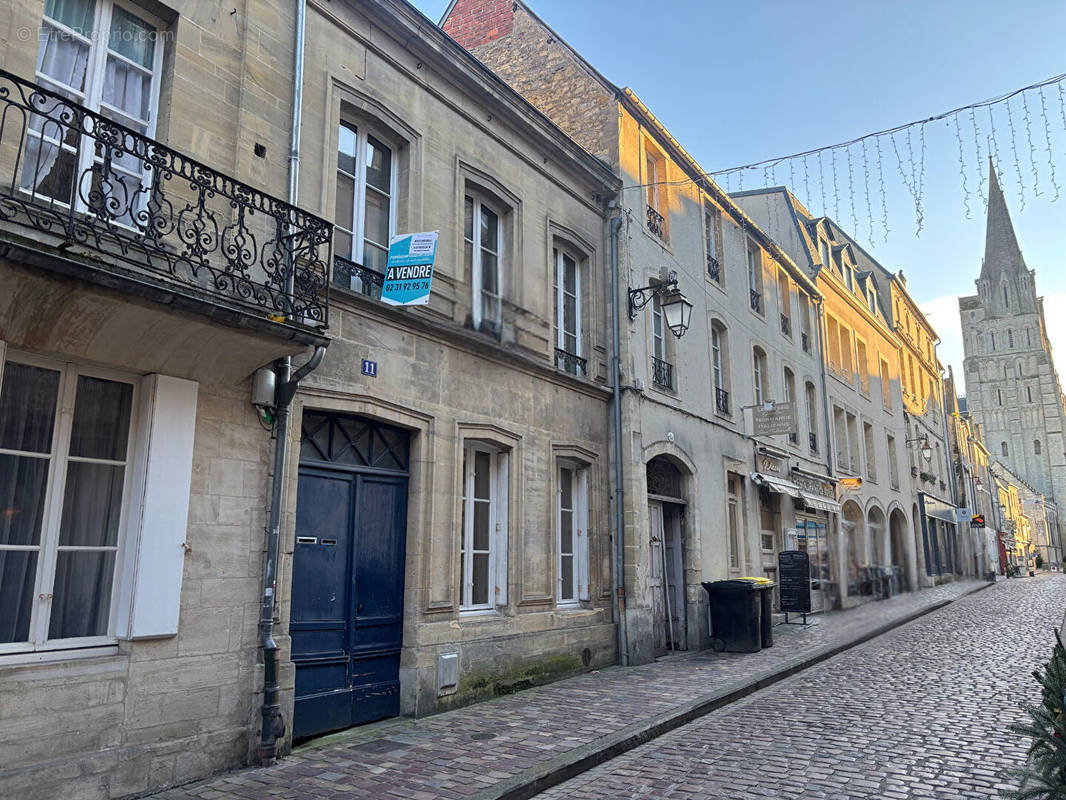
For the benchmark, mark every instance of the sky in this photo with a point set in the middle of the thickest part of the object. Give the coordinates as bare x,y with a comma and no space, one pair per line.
737,83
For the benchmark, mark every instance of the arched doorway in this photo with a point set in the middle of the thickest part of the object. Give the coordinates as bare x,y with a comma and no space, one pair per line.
916,526
878,536
853,530
666,584
897,523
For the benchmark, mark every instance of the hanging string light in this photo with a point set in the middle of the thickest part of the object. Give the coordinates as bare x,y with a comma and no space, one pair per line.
962,167
1032,150
1047,142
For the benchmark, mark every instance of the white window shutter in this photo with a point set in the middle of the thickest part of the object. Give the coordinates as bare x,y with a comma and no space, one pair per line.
581,552
500,534
158,527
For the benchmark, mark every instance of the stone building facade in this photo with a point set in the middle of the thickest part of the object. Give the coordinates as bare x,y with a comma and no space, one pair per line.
446,465
142,282
875,542
1012,386
688,449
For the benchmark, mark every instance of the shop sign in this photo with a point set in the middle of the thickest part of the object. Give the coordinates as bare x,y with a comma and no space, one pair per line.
773,419
813,485
409,269
794,575
769,464
849,485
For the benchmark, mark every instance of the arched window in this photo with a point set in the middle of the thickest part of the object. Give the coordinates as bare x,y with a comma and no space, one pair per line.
1036,446
1003,449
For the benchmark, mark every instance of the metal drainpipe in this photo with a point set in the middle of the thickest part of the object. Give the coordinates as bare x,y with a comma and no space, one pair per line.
273,725
619,485
825,392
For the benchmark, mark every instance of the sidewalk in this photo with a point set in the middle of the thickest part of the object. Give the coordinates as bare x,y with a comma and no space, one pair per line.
514,746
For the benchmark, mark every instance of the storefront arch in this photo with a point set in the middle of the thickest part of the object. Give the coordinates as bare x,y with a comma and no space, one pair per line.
877,534
897,525
853,531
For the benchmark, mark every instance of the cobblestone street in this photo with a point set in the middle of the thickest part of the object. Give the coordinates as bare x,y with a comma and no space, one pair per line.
920,712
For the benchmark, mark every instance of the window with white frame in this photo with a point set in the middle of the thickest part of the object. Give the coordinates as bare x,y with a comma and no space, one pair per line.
483,239
65,451
790,394
758,360
734,490
812,422
106,56
366,189
568,308
720,366
712,220
754,255
572,563
483,549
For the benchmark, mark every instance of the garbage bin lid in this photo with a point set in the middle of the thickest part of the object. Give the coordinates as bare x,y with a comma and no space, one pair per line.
762,581
736,583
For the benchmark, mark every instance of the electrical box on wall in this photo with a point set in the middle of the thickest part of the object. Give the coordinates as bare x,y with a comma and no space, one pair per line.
447,673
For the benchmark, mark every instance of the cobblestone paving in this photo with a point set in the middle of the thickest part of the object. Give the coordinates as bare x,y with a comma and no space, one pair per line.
920,712
460,753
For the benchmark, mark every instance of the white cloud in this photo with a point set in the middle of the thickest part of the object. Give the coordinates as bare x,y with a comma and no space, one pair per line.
943,315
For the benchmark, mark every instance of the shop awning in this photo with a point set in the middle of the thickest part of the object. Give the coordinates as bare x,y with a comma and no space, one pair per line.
779,485
820,503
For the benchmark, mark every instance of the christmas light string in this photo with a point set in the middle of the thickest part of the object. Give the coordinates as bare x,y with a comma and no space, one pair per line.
1047,141
1032,150
1014,149
962,167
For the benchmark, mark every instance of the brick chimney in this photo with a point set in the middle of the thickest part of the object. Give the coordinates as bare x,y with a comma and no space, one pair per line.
477,22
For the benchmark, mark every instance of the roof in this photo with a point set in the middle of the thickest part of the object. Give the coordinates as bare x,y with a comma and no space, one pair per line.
1002,253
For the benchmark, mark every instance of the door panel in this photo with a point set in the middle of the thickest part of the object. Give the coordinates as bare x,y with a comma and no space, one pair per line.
381,523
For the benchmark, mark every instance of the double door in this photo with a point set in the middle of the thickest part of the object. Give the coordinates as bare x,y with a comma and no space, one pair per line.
346,616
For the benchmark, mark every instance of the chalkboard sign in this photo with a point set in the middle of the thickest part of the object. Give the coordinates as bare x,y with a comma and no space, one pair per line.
794,581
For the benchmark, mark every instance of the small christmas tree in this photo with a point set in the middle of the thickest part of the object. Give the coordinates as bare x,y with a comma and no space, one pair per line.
1044,775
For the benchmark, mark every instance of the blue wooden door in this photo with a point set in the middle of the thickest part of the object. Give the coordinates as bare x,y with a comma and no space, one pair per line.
348,572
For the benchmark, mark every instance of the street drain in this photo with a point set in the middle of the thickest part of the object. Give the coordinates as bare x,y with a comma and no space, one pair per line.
482,737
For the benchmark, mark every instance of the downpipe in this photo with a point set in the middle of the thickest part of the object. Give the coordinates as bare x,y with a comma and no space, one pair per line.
619,485
273,724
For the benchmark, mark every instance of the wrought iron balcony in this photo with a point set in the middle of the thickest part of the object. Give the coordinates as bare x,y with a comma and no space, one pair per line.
570,362
662,373
714,269
721,400
756,302
655,222
812,440
84,181
805,341
357,278
786,325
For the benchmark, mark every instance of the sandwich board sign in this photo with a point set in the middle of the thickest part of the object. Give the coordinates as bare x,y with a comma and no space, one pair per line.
409,269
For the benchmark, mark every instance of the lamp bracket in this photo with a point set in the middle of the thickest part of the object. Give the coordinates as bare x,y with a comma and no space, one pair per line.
638,298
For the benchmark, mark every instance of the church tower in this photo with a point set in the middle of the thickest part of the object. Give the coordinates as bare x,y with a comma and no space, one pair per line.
1012,387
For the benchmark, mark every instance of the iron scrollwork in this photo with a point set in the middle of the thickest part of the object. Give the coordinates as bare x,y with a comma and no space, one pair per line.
92,182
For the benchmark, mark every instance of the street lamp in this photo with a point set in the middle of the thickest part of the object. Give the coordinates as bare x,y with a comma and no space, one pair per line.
926,449
675,306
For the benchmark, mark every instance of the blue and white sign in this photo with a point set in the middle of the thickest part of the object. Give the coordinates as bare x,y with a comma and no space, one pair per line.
409,269
370,368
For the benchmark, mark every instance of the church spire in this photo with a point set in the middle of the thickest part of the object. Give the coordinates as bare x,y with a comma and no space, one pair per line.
1002,253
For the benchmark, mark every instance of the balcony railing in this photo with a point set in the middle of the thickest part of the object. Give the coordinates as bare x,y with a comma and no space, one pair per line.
662,373
721,400
805,341
714,269
812,440
655,222
88,182
786,325
570,362
357,278
756,302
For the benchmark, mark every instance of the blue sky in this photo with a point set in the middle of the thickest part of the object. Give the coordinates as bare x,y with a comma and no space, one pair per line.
740,82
